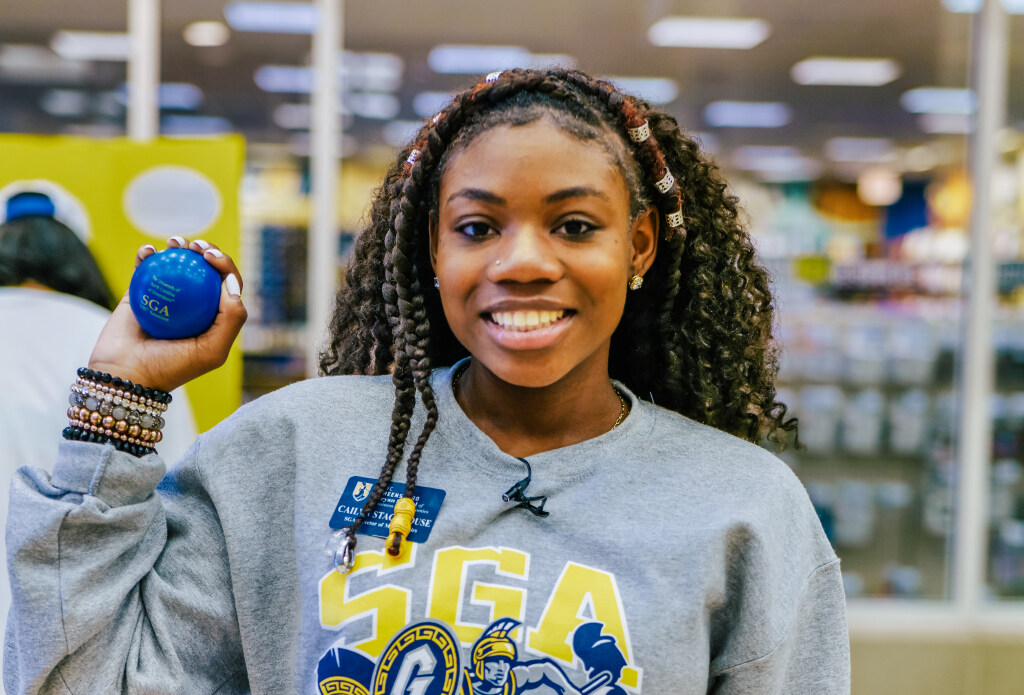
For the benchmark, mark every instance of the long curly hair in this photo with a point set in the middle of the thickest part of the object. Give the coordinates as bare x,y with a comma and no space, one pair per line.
696,338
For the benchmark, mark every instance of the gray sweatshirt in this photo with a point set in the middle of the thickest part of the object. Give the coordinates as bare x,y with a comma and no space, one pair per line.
675,559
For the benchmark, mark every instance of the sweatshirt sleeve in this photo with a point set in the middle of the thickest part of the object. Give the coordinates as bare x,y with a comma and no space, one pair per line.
813,657
119,577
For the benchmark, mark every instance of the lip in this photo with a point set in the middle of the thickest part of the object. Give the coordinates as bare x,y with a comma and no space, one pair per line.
537,339
526,304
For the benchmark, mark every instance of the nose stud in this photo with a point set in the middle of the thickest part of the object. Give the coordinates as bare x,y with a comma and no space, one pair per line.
497,262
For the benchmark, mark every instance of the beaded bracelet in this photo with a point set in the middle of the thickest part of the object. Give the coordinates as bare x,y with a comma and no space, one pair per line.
107,409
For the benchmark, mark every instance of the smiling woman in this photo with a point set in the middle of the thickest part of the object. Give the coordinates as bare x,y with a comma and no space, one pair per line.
552,279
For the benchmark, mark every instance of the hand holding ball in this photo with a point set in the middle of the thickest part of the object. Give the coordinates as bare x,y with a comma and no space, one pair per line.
174,294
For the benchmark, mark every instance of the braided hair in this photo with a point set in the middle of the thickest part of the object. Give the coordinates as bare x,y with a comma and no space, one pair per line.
697,337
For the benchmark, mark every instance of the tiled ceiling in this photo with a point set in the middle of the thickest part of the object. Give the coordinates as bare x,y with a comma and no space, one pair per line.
607,37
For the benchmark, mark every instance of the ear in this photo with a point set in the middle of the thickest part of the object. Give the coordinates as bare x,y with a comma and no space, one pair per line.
433,239
644,240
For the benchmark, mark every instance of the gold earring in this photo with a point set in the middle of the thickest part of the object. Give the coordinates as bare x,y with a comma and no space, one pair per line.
635,282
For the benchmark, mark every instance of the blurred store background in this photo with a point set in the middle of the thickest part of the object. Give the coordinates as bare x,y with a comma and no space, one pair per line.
847,130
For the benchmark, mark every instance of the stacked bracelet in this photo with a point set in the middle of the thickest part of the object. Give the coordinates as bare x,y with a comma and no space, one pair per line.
107,409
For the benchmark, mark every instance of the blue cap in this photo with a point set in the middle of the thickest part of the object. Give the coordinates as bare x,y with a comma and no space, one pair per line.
29,203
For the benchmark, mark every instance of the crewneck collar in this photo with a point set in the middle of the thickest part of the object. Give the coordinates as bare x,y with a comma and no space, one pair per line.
566,463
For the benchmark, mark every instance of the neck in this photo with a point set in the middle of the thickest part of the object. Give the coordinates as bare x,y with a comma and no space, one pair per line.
524,421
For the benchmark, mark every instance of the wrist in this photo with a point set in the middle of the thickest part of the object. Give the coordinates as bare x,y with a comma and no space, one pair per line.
109,409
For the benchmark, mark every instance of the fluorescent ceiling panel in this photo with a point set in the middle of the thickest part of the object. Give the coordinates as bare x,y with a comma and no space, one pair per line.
939,100
860,150
857,72
372,72
709,32
293,116
171,95
371,105
272,17
776,163
747,114
454,59
946,123
65,102
657,90
32,63
194,125
284,79
205,34
426,104
92,45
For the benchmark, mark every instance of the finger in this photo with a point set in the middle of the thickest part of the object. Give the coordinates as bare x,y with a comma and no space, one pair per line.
177,242
223,263
231,314
200,245
144,252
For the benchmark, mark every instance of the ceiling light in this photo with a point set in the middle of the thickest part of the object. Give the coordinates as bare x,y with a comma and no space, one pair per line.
372,105
747,114
452,59
171,95
860,72
879,186
963,6
426,104
946,123
91,45
708,32
204,34
194,125
776,163
31,63
293,116
272,17
860,150
939,100
657,90
65,102
287,79
373,72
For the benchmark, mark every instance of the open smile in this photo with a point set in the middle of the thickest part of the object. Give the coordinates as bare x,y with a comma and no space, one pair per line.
527,329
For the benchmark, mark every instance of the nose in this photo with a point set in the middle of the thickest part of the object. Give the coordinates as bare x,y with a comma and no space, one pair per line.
525,254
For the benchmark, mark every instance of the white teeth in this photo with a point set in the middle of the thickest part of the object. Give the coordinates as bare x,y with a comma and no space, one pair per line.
526,320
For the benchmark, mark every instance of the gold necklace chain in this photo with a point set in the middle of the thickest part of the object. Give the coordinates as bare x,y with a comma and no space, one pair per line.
622,401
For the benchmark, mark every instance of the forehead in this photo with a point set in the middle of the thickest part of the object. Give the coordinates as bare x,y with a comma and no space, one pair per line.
538,156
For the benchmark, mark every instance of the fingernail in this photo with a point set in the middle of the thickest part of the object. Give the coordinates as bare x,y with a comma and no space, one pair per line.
202,244
179,240
149,246
232,284
216,253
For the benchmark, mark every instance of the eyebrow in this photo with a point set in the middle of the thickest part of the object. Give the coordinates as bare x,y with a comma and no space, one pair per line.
556,197
575,192
478,194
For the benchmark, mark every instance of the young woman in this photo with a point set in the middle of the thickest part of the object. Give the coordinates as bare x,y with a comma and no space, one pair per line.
557,339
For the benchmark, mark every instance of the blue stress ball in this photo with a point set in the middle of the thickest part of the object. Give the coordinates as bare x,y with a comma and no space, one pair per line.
174,294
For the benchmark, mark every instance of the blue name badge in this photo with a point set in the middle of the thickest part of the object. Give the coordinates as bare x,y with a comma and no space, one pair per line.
428,503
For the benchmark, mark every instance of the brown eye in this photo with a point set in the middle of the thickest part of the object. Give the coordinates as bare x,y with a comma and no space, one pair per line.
575,228
475,230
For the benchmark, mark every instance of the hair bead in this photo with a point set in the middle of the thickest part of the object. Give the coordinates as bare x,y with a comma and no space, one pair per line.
493,77
675,219
664,185
413,156
640,133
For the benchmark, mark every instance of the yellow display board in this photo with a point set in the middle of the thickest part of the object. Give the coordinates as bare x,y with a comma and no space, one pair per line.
133,193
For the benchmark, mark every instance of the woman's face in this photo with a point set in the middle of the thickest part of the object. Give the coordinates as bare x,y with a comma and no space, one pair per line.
533,249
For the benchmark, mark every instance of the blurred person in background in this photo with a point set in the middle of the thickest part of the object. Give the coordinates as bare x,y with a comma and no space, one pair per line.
54,301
